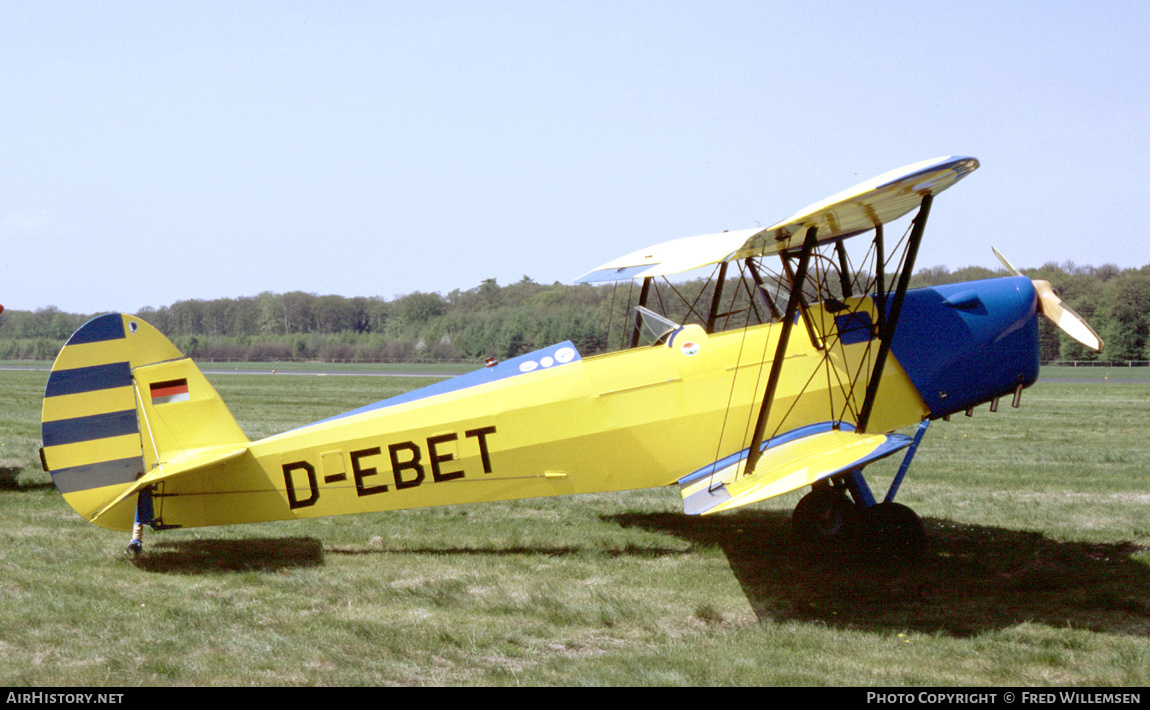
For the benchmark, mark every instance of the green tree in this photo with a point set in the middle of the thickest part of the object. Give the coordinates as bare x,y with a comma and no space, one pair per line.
419,308
1125,309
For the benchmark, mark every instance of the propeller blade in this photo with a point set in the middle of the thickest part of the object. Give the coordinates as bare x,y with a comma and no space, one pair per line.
1065,318
1007,264
1053,308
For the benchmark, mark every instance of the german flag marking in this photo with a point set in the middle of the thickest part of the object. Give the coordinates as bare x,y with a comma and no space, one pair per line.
170,391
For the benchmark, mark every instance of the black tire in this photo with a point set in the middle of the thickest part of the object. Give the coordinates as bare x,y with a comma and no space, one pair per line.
822,514
892,530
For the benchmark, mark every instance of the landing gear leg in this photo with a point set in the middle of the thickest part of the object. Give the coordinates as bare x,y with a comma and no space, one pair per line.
144,516
136,544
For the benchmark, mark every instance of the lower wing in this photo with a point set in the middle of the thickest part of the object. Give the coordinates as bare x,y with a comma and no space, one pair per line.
793,460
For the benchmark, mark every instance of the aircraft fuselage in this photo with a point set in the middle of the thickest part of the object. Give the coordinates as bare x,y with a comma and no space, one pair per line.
554,423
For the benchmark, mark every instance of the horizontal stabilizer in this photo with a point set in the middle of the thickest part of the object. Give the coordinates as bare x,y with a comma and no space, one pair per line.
202,462
789,462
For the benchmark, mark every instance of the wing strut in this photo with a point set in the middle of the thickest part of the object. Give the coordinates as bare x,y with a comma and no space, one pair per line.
714,313
844,270
762,287
886,335
797,281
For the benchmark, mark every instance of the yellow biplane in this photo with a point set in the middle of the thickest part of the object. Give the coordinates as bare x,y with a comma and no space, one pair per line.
827,363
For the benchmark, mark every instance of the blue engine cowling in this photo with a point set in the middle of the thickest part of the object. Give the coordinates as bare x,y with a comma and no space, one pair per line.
968,343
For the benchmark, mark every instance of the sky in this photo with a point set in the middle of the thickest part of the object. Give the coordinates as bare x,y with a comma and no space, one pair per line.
158,152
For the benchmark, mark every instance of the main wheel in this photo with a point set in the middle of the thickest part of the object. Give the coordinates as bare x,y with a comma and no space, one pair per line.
893,530
822,513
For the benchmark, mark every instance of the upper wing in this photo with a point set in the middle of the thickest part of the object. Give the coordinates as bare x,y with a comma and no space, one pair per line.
863,207
853,211
789,462
671,257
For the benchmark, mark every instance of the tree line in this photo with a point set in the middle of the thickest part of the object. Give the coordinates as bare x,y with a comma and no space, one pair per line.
490,320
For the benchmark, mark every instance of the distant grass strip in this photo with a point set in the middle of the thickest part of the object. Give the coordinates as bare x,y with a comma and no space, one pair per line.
1102,372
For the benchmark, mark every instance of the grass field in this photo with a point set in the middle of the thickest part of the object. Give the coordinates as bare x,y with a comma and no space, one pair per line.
1037,572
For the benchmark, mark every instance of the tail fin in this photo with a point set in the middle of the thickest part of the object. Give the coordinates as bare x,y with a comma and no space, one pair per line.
122,400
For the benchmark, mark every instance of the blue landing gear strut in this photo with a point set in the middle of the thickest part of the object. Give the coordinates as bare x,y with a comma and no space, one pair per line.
145,515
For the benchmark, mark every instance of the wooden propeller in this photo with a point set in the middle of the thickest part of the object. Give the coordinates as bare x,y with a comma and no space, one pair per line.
1053,308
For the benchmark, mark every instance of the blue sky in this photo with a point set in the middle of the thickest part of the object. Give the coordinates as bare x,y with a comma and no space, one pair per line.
154,152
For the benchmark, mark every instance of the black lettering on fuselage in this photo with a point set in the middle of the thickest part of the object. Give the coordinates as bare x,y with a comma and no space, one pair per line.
436,458
481,436
408,465
313,485
361,472
398,467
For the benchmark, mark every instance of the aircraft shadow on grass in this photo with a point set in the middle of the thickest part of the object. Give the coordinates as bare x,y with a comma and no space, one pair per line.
208,555
8,477
270,555
971,579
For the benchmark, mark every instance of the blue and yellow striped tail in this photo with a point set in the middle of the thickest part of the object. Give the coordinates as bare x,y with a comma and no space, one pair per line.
98,422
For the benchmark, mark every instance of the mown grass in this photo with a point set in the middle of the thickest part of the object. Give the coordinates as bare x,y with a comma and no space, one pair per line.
1099,372
1037,573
